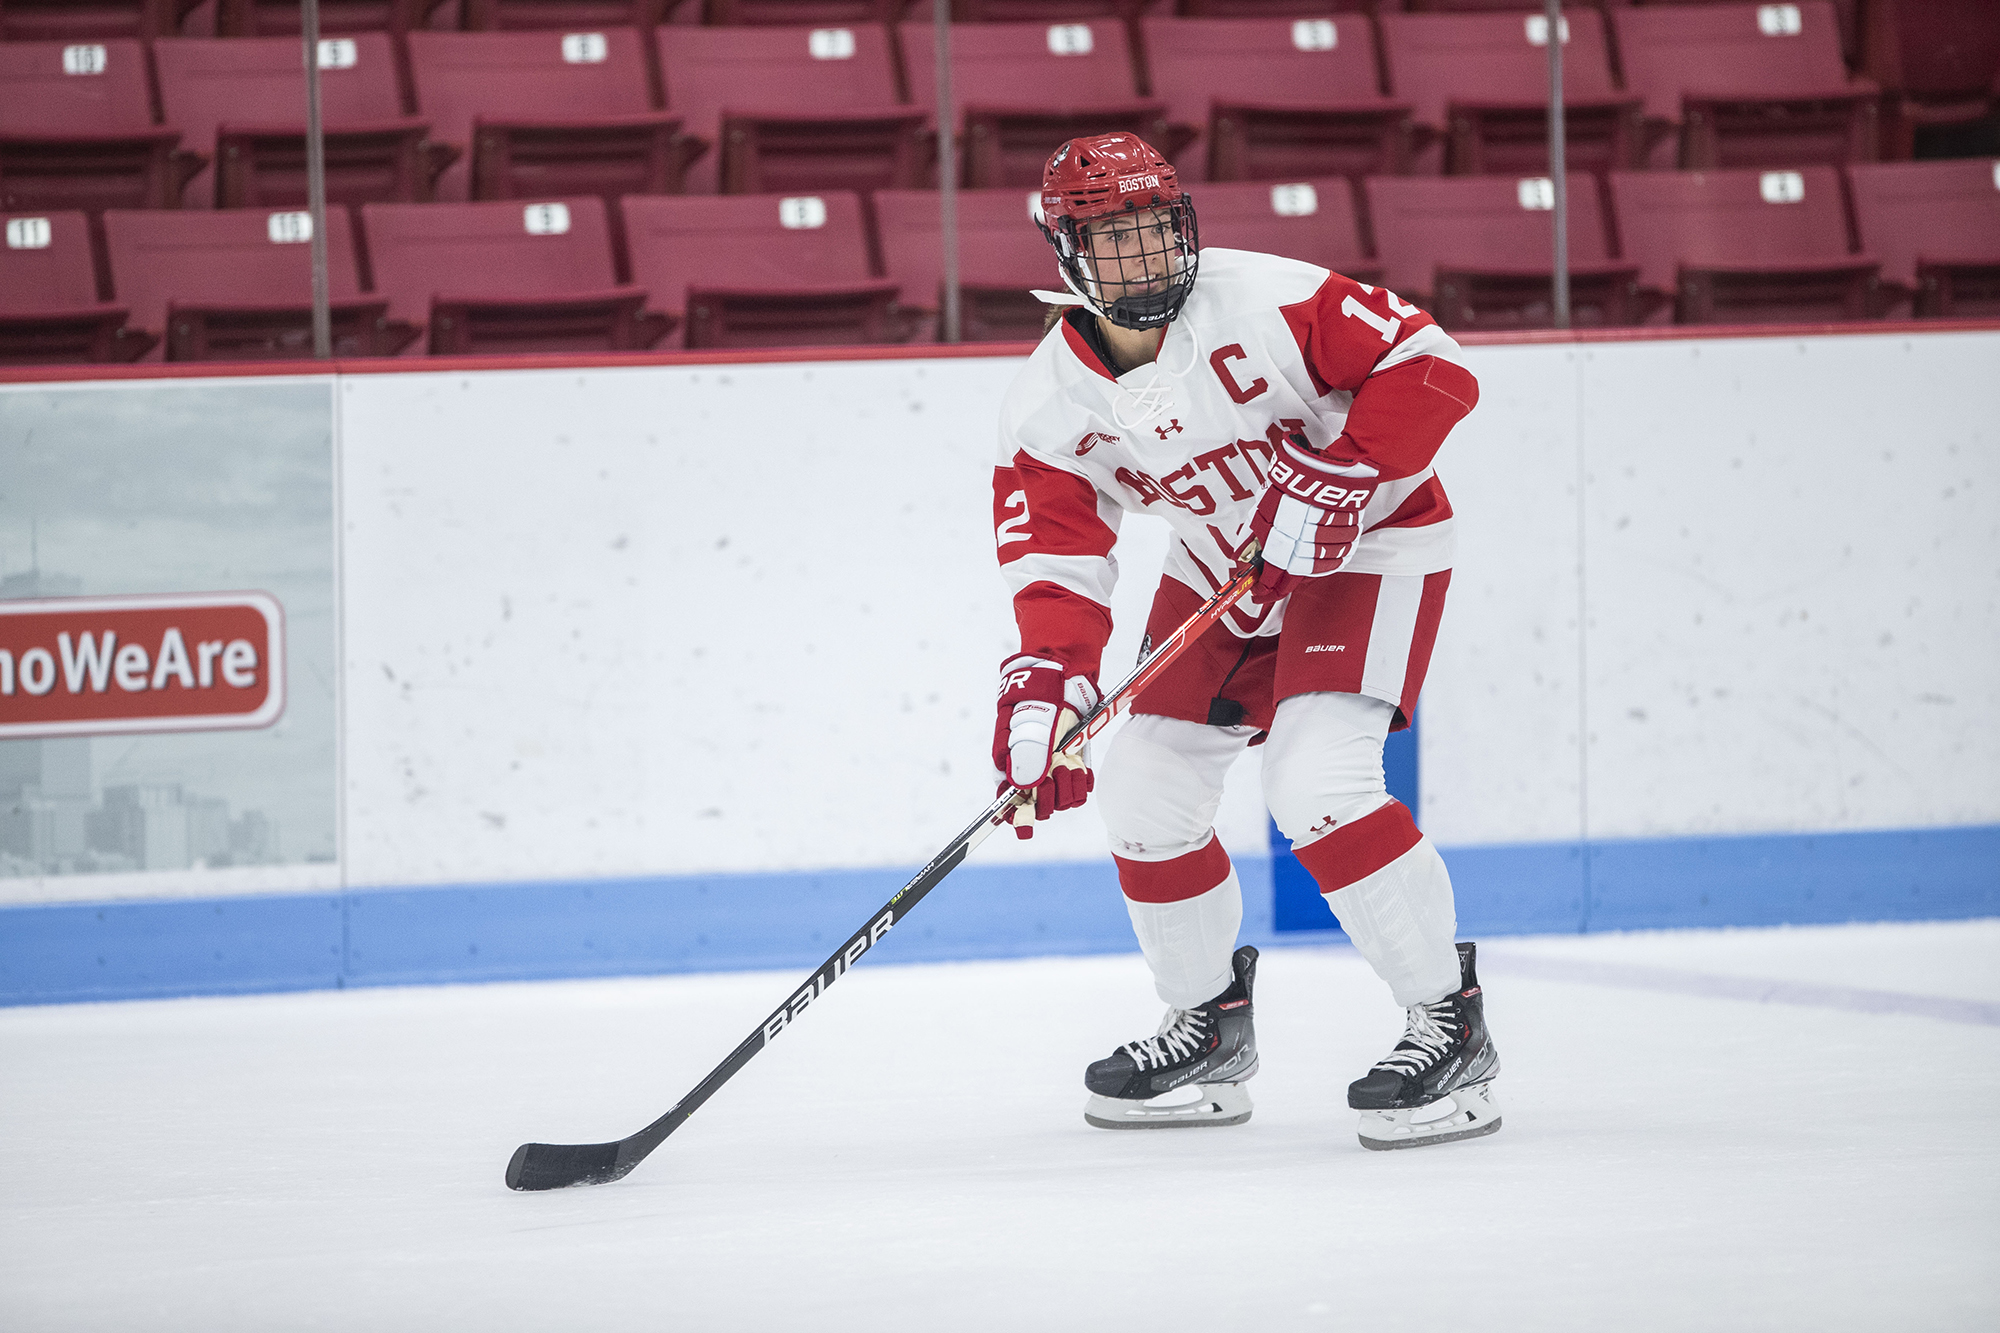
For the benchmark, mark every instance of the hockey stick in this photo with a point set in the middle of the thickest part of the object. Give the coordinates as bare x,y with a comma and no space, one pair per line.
548,1166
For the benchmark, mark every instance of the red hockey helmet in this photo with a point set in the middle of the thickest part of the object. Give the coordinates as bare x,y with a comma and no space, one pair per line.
1125,234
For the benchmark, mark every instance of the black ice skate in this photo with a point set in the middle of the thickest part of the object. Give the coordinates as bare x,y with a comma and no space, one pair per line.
1189,1073
1437,1085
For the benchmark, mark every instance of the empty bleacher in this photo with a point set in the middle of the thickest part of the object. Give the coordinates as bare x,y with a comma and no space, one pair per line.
1936,228
1747,85
761,270
1002,257
1275,99
1020,89
1477,251
77,130
236,285
793,108
504,276
1747,245
545,113
1314,220
50,309
1478,84
241,102
1292,120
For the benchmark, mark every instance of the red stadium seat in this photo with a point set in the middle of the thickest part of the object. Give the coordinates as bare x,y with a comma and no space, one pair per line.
49,306
563,15
761,270
1279,99
237,285
1313,220
503,276
546,114
788,13
243,101
90,20
1847,17
1745,246
280,18
1749,84
1274,9
1938,60
1021,89
1482,81
1039,11
792,108
77,131
1936,228
1479,251
1001,258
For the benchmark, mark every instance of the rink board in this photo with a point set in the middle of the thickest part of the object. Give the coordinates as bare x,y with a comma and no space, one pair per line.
587,722
536,931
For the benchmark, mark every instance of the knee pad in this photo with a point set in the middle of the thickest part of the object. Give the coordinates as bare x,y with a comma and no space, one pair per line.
1158,788
1323,763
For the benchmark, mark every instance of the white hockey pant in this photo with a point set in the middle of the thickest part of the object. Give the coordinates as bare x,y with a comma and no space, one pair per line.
1158,790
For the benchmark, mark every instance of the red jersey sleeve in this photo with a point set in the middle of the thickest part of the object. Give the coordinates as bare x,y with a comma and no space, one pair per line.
1395,360
1054,534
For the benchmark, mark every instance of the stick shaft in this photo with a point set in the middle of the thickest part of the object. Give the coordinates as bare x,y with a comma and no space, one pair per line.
630,1151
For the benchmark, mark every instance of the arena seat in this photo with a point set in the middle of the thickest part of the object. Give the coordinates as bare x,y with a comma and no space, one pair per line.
1279,99
49,306
563,15
77,131
1040,11
1937,60
1272,9
546,114
281,18
1936,228
792,108
1314,220
1748,85
243,101
1478,251
1847,18
1023,88
236,285
790,13
1482,82
761,270
1002,256
90,20
507,276
1745,246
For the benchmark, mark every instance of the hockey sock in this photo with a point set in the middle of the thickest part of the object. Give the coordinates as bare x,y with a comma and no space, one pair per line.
1388,885
1186,913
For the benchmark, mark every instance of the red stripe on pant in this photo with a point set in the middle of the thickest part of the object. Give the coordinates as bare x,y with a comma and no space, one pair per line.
1358,850
1177,880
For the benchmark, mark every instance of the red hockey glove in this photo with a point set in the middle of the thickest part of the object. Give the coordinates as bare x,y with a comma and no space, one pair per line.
1310,517
1039,702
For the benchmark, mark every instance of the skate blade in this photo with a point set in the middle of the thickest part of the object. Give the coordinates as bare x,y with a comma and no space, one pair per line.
1474,1113
1209,1104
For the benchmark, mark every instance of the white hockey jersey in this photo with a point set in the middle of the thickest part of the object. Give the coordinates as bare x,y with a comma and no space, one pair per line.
1264,347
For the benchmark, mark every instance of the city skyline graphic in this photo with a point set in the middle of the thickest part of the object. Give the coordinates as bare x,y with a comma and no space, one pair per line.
161,489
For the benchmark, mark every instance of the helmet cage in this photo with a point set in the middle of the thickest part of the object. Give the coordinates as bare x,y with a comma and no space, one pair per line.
1096,279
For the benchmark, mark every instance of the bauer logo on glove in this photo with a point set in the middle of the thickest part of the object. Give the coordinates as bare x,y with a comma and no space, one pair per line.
1039,703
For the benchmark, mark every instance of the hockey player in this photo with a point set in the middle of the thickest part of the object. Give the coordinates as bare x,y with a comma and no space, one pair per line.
1241,397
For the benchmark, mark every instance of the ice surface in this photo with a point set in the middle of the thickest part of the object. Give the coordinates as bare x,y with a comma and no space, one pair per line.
912,1155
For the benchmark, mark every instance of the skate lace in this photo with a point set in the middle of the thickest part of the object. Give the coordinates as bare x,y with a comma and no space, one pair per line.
1183,1032
1425,1038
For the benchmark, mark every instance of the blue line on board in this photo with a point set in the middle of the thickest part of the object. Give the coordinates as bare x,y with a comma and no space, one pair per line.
55,953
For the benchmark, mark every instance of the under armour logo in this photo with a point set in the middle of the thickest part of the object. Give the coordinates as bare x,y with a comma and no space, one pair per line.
1324,826
1173,425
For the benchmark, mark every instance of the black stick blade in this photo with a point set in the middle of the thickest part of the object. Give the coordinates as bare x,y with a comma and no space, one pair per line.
554,1166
